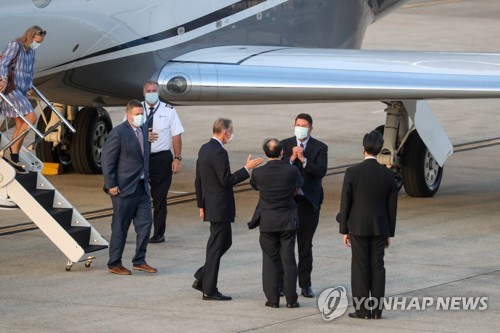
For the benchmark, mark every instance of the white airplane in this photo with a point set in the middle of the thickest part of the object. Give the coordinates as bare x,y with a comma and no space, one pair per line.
98,53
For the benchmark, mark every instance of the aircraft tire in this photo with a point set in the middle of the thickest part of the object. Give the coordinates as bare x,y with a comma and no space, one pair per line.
92,128
421,173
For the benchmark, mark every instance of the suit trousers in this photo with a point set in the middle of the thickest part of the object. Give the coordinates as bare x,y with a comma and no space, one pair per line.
136,208
277,247
367,270
160,179
308,223
219,242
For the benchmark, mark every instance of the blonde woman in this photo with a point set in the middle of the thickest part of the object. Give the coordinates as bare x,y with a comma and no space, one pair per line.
20,54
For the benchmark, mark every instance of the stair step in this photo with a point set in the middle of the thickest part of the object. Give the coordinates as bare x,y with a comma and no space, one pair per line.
62,216
44,198
28,180
94,248
80,234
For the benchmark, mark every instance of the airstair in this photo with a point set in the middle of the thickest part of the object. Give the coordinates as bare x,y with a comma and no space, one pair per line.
43,204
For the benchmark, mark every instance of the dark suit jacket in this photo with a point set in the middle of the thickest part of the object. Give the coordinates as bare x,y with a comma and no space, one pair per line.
277,183
317,163
368,202
214,183
122,160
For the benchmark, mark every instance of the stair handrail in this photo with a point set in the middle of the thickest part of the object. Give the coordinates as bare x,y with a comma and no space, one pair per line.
61,117
37,132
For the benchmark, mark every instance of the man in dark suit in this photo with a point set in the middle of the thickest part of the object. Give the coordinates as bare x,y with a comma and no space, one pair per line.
367,219
125,165
310,156
276,213
214,193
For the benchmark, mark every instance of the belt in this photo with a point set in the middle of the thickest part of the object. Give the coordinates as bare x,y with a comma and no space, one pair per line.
159,152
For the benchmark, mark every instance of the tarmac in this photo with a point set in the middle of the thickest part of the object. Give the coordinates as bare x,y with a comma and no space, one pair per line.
445,246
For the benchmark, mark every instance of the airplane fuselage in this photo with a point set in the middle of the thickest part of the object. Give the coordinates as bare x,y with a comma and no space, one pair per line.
105,50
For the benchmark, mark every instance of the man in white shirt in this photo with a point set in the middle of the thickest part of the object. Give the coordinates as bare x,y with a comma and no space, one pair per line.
165,131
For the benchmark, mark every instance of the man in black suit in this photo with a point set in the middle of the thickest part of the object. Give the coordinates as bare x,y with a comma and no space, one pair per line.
214,193
310,156
367,219
276,213
125,165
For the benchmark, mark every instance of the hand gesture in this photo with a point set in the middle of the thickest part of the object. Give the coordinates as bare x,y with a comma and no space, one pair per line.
252,164
298,152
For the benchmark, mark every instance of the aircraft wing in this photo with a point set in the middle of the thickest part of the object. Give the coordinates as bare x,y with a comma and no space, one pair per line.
259,74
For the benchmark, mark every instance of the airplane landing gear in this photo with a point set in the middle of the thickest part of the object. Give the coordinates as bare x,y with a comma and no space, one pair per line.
92,127
407,156
81,150
422,176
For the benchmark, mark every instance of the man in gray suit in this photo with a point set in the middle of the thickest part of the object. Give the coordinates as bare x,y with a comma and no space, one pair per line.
276,213
367,218
125,165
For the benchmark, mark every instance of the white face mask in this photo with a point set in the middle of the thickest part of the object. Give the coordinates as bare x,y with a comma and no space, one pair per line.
231,138
151,97
301,132
34,45
138,120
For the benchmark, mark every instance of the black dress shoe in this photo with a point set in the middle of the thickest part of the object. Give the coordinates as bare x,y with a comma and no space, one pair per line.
307,292
157,239
272,305
197,285
293,305
282,292
355,315
216,297
376,316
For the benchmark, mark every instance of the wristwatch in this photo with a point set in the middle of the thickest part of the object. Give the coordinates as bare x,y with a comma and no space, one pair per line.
178,158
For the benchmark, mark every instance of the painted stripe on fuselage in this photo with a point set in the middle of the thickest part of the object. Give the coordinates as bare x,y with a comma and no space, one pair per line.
193,29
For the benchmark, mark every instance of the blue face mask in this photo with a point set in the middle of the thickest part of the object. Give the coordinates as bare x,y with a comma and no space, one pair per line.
151,97
301,132
138,120
34,45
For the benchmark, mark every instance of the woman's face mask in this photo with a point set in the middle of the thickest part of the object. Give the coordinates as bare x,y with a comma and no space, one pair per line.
34,45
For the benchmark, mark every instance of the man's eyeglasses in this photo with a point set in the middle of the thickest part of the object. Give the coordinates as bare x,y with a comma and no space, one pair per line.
41,33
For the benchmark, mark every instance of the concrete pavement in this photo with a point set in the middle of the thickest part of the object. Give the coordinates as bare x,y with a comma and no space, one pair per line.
444,246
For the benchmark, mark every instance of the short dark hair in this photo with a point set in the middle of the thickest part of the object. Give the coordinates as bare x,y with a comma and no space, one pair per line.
133,104
306,117
373,142
272,150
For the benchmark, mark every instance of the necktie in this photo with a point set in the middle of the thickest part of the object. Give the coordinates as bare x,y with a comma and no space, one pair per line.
150,117
301,145
138,132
